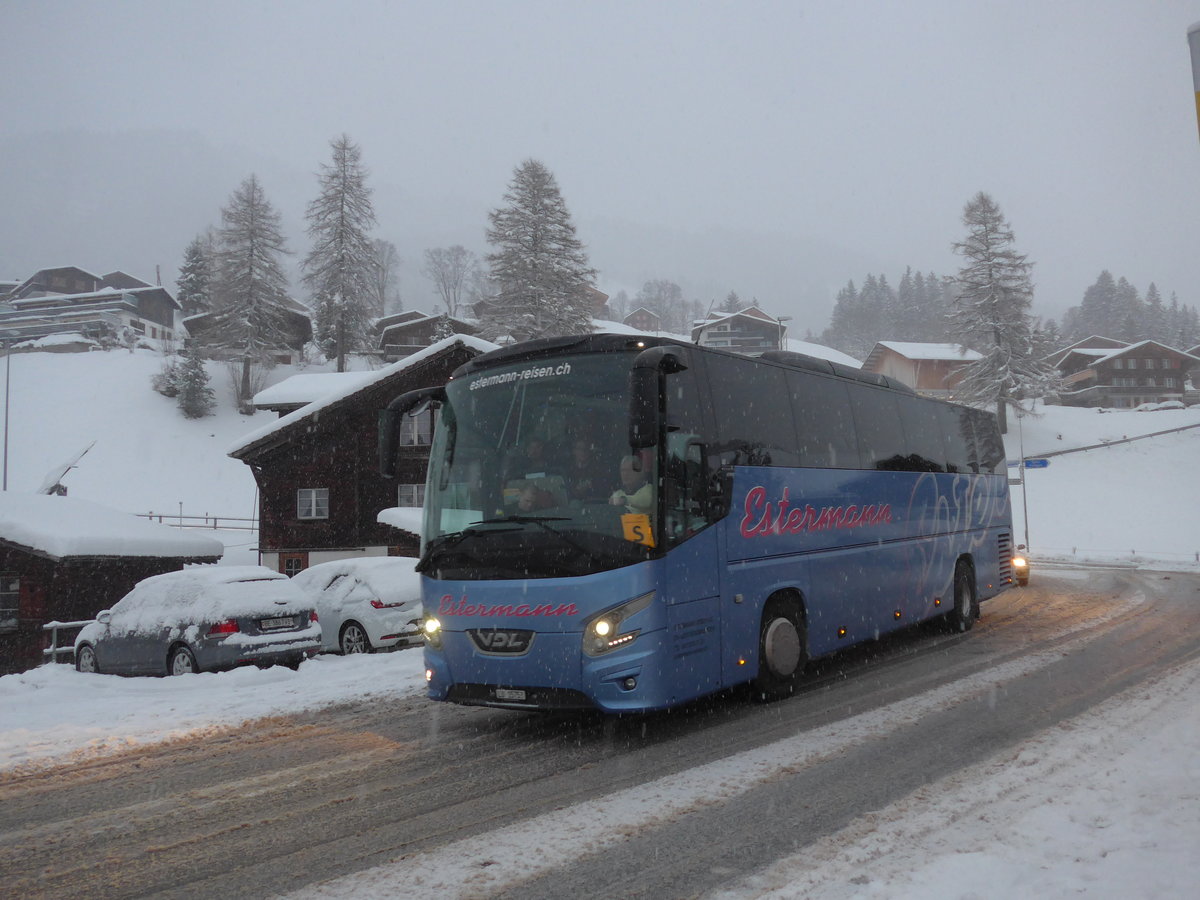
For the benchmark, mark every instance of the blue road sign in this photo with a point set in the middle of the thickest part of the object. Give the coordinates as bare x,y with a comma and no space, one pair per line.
1036,463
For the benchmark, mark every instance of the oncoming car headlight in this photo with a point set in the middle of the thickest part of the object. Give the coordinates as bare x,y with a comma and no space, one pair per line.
603,633
431,628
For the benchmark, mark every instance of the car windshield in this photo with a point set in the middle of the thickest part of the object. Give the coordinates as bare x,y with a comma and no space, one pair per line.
531,475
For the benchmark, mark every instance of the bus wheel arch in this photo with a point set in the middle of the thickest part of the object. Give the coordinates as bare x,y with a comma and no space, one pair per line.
782,646
965,611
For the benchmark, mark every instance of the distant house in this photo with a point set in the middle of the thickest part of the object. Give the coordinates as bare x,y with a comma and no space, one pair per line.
930,369
71,301
750,331
317,468
63,559
299,332
409,332
643,320
1122,377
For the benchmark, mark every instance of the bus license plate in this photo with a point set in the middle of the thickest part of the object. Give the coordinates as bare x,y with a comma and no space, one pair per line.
275,624
509,694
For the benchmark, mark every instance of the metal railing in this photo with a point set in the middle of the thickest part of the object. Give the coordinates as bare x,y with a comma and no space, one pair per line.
51,652
215,523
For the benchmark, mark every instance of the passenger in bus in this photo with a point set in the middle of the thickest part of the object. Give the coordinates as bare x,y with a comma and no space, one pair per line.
635,493
534,498
532,462
583,477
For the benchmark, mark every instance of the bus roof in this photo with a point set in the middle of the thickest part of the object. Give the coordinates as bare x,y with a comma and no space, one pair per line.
599,343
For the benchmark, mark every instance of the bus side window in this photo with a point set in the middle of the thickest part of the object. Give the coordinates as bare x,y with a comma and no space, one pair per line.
926,451
957,437
881,443
752,412
988,456
825,433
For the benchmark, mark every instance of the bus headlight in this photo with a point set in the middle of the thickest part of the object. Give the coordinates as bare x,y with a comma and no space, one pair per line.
603,633
432,629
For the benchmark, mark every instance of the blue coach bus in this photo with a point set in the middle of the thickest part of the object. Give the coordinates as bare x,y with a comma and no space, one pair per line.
629,523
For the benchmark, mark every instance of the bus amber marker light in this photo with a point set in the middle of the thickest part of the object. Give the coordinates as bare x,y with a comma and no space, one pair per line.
602,634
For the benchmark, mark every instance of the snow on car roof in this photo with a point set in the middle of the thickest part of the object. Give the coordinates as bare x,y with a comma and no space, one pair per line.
386,575
67,526
206,594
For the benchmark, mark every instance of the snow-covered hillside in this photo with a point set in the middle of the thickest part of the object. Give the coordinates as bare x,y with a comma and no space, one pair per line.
1139,499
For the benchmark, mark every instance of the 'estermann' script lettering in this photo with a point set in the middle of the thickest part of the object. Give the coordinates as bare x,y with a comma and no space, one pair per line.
447,606
762,517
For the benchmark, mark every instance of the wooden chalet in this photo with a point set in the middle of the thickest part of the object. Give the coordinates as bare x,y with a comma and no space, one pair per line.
317,468
405,333
299,332
750,331
1122,377
644,320
930,369
64,559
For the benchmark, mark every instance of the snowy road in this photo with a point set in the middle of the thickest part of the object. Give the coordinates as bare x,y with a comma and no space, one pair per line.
472,802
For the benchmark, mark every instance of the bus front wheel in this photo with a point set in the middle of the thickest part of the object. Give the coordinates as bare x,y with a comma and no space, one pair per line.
782,650
966,607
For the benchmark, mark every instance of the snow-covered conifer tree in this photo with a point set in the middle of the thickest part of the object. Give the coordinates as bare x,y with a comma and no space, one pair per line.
193,287
540,268
250,312
340,267
196,398
991,314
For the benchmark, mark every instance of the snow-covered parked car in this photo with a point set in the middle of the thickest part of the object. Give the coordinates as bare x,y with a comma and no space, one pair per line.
366,603
202,619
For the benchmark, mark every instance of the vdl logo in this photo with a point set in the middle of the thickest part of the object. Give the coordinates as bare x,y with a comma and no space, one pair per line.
502,640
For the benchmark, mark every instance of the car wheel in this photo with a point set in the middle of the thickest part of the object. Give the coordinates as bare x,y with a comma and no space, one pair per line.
181,661
85,660
354,639
782,650
966,607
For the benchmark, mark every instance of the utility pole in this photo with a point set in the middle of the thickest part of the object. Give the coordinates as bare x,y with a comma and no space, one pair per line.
1194,44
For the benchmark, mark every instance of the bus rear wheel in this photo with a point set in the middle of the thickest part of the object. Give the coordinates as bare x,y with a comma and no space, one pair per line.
966,607
782,650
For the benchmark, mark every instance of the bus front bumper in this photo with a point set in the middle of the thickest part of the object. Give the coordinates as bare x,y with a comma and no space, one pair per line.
621,681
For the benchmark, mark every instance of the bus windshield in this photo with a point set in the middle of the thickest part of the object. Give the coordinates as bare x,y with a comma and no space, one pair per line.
531,475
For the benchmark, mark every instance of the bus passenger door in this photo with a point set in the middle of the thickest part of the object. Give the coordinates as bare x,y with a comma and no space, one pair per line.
690,582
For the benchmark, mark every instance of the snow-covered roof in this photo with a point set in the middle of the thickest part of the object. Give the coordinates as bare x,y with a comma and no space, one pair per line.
405,518
66,526
1139,346
354,387
822,352
911,350
60,299
308,387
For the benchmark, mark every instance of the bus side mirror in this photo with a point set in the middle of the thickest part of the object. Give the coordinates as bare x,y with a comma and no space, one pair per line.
391,417
646,391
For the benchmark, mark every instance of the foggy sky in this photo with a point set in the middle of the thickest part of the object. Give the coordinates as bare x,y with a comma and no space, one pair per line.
777,149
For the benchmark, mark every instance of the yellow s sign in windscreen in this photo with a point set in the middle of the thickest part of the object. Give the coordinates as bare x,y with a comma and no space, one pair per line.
637,528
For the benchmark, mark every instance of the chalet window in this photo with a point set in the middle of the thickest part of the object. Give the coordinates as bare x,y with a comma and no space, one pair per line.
291,564
416,431
1171,382
410,495
139,327
10,601
312,503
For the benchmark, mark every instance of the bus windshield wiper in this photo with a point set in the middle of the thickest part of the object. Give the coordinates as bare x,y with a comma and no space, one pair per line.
541,522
